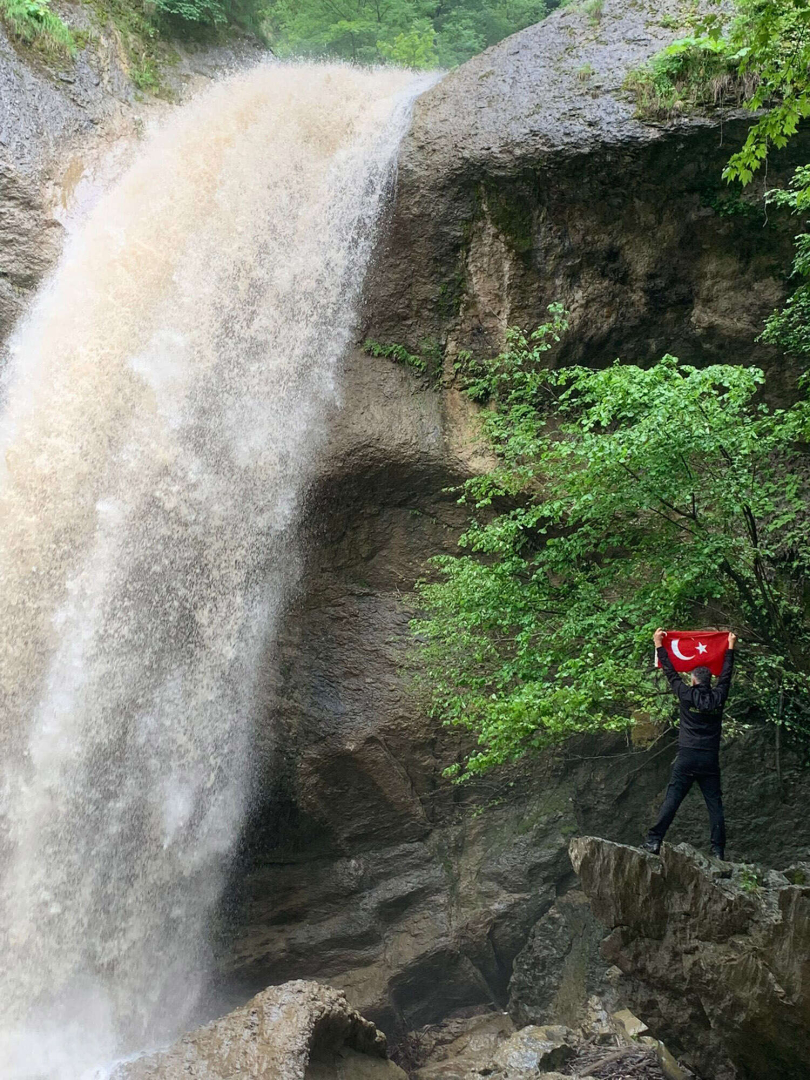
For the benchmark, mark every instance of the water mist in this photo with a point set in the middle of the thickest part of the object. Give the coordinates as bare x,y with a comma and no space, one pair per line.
163,404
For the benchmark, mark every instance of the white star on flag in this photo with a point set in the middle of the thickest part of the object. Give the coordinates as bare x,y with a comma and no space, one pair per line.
701,648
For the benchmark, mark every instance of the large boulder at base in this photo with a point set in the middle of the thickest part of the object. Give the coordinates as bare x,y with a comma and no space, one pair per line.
716,956
288,1032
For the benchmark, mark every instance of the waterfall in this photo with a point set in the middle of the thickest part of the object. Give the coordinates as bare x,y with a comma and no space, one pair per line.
162,406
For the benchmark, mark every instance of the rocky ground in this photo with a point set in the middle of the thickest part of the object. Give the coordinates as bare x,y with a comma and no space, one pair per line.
712,957
291,1032
305,1031
715,957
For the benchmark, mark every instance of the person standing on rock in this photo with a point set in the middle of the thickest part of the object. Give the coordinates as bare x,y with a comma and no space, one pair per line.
701,718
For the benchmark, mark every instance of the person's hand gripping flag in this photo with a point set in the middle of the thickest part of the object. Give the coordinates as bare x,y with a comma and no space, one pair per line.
689,649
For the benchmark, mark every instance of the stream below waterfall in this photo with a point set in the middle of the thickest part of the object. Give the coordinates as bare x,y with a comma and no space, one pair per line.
163,401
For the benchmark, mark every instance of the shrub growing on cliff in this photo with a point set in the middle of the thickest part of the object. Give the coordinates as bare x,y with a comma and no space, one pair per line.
33,22
622,499
693,71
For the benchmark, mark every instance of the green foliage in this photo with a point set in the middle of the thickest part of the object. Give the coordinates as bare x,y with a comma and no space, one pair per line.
139,37
594,9
760,57
750,878
693,71
622,499
790,327
414,49
428,363
772,40
33,22
415,33
180,15
206,12
729,200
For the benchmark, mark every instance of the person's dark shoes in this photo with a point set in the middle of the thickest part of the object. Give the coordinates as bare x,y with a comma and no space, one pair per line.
718,853
652,845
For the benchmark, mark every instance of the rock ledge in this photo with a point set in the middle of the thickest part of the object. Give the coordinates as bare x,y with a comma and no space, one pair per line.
715,956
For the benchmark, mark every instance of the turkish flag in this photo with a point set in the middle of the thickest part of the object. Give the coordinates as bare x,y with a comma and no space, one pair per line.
689,649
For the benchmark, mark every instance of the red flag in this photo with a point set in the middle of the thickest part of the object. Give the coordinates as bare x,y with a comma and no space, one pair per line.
689,649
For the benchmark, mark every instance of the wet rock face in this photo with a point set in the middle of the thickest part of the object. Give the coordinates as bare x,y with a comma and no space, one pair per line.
528,179
560,968
52,121
298,1031
525,179
30,241
715,956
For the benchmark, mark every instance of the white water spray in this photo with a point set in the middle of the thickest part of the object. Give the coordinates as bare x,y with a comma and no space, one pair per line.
164,401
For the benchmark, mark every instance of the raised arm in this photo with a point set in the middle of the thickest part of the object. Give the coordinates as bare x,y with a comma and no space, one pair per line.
676,683
724,681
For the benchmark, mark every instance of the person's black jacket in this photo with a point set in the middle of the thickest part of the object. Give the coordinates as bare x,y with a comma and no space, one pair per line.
701,707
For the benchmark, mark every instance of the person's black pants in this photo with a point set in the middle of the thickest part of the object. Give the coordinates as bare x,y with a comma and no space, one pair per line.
691,765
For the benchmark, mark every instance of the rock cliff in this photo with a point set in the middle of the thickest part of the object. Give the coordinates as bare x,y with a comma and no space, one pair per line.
714,956
526,178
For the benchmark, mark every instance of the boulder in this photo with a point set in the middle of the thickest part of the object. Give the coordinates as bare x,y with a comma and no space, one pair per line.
714,956
291,1032
534,1049
528,178
490,1048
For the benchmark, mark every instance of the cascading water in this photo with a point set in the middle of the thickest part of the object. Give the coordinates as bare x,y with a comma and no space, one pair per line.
163,403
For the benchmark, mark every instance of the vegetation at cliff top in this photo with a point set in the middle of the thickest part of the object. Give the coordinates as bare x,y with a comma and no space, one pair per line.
141,25
759,58
33,22
622,499
412,33
415,33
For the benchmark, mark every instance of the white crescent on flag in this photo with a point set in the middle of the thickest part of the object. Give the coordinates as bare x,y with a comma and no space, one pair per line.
677,651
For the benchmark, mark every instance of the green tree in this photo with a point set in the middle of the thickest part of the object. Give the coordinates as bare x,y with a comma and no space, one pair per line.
416,33
181,16
767,44
414,49
622,499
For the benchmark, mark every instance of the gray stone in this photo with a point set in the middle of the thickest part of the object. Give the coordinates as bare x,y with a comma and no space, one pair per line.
534,1049
298,1031
522,183
714,956
560,969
